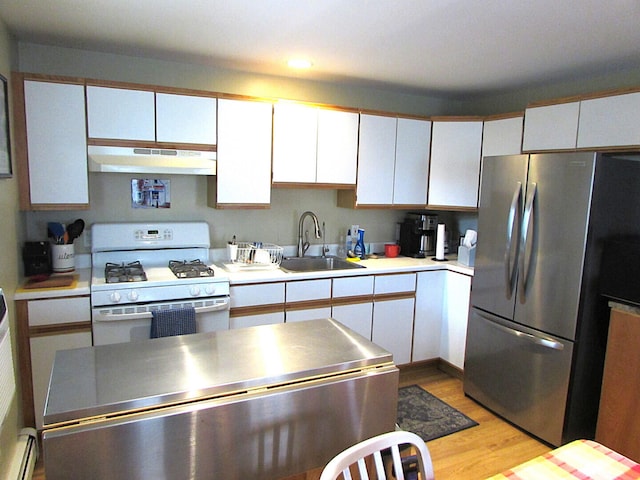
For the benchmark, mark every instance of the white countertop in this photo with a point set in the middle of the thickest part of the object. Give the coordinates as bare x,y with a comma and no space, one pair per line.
380,265
373,266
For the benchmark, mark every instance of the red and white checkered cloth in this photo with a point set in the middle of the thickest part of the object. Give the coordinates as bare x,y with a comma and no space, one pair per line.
581,459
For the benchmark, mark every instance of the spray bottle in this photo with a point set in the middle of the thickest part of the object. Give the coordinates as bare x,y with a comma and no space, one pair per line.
360,250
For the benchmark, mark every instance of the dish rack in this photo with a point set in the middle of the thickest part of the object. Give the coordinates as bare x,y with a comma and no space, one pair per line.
259,255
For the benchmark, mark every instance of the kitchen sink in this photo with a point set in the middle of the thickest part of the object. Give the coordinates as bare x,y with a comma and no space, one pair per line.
316,264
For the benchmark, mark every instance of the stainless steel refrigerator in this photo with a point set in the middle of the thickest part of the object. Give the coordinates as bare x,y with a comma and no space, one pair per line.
537,326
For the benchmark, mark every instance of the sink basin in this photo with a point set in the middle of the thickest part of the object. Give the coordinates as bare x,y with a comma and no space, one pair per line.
316,264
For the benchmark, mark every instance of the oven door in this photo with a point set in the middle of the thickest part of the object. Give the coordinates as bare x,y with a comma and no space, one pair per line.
128,323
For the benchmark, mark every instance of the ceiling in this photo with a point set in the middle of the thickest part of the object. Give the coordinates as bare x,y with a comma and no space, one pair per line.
448,47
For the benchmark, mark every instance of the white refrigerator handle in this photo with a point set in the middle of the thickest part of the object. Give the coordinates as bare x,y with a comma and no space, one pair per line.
510,263
527,224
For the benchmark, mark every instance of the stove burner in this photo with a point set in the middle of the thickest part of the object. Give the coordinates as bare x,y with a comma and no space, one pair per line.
194,268
118,273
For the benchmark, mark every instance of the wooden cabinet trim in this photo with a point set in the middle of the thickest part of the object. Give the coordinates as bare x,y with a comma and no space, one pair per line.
256,310
307,304
46,330
504,116
385,297
353,300
24,362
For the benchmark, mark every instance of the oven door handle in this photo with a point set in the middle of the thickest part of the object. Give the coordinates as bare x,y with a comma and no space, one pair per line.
106,316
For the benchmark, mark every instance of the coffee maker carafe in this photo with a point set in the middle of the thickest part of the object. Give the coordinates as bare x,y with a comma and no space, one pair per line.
418,235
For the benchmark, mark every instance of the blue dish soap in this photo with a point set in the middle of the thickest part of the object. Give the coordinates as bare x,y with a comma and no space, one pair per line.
360,250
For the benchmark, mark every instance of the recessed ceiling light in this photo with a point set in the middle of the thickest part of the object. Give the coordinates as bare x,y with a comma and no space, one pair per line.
299,63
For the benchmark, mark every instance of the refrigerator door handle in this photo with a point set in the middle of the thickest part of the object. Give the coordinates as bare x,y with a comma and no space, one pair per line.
542,341
527,218
510,264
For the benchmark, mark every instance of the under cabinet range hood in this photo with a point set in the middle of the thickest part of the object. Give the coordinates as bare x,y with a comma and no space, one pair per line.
150,160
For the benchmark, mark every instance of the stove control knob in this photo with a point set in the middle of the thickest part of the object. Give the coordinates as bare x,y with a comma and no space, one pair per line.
115,297
133,295
210,289
194,291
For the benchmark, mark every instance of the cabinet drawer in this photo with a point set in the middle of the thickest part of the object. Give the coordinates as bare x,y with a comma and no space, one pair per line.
308,290
405,282
249,295
352,286
59,310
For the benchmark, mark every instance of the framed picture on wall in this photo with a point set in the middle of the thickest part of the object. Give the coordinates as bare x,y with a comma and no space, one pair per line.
5,145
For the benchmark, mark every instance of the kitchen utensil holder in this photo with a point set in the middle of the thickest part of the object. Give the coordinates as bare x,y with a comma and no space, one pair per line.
250,254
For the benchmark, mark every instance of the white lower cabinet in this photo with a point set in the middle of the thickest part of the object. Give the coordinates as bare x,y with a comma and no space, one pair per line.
308,300
53,324
43,352
356,316
430,292
393,307
393,327
254,305
454,318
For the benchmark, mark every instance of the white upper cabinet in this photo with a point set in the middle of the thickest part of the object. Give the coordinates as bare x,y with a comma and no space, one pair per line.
502,136
118,113
393,161
314,145
56,146
376,160
295,136
610,121
337,147
455,163
551,127
244,153
142,115
413,142
185,119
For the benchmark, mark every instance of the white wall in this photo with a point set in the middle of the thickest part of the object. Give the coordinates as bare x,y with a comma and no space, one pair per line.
10,235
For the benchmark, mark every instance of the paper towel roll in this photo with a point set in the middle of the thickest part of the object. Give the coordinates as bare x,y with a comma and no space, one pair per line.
440,242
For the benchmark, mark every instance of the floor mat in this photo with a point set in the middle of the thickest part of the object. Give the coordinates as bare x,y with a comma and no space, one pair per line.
428,416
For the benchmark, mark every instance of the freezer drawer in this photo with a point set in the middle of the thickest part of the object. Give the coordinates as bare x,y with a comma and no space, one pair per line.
267,434
519,373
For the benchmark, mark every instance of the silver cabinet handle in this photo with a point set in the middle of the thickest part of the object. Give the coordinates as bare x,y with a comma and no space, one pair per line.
527,218
510,264
542,341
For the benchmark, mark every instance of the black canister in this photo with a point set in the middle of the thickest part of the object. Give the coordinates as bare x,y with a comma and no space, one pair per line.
36,258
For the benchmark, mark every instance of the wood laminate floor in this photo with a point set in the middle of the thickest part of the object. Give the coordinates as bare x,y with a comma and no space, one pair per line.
476,453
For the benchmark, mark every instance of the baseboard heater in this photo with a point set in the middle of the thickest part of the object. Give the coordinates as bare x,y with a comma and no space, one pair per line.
24,460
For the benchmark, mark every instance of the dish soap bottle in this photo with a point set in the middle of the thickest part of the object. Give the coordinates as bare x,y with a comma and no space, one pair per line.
360,250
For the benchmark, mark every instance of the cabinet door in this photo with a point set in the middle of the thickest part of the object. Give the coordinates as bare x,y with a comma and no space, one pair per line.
502,137
244,321
376,160
185,119
337,147
244,153
43,351
307,314
393,327
551,127
455,163
118,113
413,142
454,324
356,316
610,121
428,315
295,130
56,144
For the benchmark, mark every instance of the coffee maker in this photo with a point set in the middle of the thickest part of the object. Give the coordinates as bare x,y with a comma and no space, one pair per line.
418,235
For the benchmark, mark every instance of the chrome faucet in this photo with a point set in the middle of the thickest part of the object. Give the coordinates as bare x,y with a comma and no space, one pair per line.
303,246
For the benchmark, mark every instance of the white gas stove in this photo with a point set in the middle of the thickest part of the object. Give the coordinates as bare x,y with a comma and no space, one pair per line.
139,268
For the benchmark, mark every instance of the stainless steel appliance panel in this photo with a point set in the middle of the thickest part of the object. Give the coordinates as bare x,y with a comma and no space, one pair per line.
263,435
500,210
554,236
518,373
107,379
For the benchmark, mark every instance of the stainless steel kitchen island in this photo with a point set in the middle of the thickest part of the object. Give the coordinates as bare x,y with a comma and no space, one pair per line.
260,402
